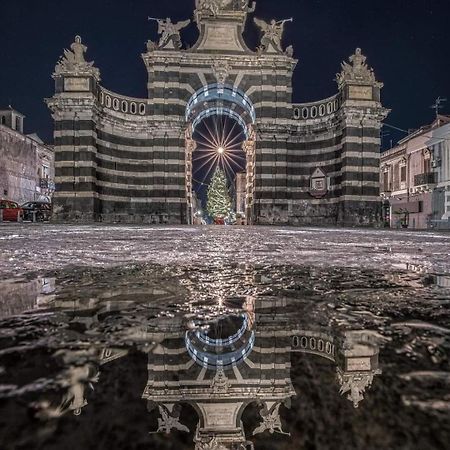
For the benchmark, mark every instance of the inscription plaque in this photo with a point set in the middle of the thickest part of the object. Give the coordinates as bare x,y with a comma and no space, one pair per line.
76,84
221,37
360,92
359,364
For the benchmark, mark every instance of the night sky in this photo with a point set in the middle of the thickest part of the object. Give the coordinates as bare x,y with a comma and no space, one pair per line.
406,41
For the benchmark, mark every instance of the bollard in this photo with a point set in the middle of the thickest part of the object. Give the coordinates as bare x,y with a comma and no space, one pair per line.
19,217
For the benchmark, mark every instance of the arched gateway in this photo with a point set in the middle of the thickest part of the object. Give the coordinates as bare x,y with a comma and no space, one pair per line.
129,160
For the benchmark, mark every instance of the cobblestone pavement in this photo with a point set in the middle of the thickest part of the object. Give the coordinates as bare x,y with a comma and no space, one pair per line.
29,248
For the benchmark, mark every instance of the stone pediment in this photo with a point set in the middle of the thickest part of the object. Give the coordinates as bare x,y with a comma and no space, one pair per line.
223,36
221,23
318,173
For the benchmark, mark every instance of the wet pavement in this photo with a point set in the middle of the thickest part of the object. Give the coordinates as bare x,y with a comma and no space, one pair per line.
223,337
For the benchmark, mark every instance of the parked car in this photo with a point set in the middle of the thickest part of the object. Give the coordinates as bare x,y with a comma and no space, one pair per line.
11,211
37,211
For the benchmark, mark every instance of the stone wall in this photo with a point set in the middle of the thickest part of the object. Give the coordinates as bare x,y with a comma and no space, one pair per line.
19,166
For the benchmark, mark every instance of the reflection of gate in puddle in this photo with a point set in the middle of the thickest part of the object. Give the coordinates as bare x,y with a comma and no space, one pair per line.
222,375
183,369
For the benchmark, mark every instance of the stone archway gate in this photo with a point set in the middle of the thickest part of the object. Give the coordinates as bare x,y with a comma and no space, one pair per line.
124,159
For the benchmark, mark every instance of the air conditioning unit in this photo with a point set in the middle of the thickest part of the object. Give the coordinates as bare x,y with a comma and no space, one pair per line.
435,163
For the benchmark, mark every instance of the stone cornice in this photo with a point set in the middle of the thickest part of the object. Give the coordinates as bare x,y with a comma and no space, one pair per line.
250,61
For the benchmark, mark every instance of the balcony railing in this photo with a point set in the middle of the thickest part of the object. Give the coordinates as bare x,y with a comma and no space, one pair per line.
425,179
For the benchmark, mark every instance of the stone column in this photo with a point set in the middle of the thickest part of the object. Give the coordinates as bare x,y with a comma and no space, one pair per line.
74,111
361,116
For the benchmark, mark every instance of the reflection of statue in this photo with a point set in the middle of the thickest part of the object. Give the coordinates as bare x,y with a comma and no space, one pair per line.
360,352
272,33
81,377
78,378
213,444
73,60
170,420
271,420
170,31
355,385
220,383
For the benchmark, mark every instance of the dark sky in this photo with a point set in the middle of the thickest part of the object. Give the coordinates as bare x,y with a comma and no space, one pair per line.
407,42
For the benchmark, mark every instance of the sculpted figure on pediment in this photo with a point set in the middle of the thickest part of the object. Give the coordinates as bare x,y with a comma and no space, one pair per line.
272,33
73,60
357,70
170,32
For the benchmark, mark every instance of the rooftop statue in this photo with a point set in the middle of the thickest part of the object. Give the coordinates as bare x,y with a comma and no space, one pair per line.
214,7
272,33
241,5
170,32
211,6
357,70
73,60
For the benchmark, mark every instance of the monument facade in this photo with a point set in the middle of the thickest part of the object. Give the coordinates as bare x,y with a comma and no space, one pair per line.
122,159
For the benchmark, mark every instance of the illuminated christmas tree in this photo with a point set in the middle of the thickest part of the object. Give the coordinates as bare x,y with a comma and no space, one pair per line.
219,201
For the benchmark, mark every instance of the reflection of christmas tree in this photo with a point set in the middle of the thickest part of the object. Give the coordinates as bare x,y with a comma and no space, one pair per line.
219,201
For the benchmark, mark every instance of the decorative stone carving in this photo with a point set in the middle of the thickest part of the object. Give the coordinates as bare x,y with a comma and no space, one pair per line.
357,71
74,62
220,383
214,7
355,384
170,32
76,379
271,420
208,6
290,51
213,444
170,419
243,5
272,34
318,183
221,71
152,46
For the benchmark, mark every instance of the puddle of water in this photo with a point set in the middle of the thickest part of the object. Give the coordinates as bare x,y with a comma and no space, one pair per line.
225,357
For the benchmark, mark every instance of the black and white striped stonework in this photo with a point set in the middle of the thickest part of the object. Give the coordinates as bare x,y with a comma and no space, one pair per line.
122,159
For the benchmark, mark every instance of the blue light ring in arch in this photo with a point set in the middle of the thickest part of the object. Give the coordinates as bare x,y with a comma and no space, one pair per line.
225,360
202,337
220,111
214,92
